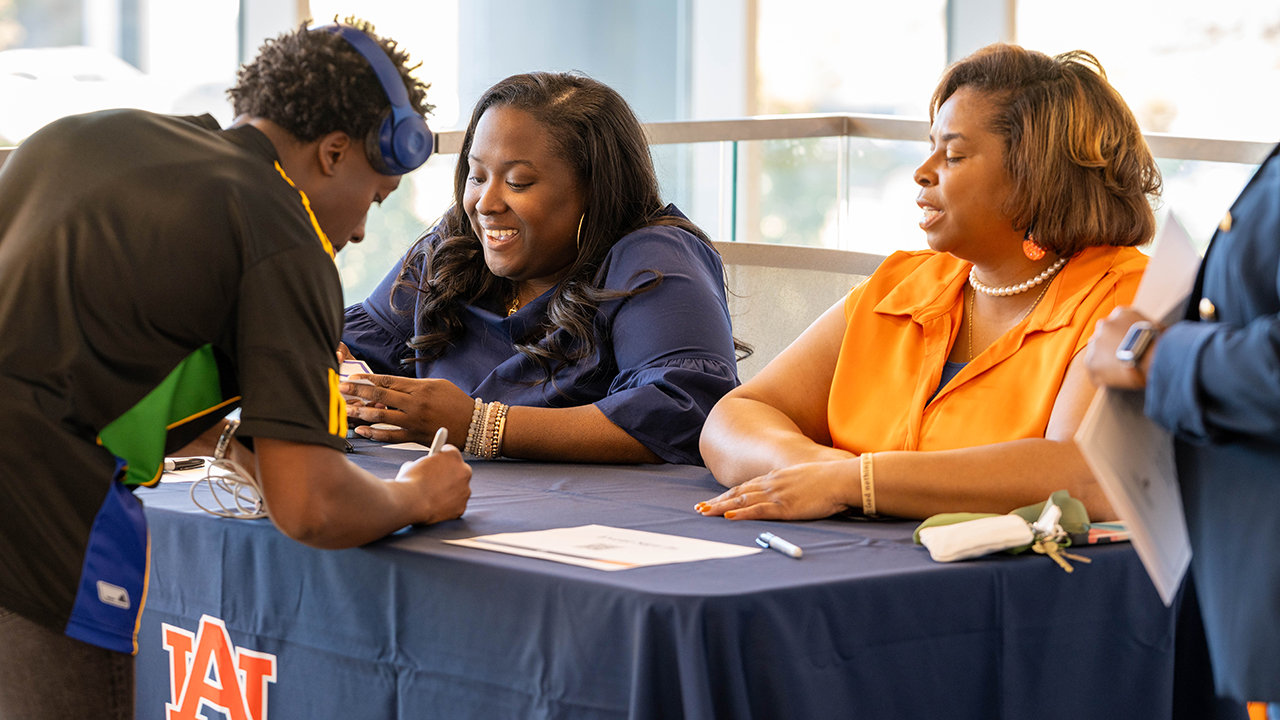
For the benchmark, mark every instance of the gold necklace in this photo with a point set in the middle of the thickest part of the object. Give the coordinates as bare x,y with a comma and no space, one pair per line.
515,302
973,293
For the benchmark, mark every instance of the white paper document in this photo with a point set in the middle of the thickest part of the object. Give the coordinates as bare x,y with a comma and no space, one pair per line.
1132,457
605,548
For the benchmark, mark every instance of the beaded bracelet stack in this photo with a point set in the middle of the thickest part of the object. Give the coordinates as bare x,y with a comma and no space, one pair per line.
488,425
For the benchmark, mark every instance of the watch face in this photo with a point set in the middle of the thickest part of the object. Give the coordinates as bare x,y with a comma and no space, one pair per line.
1135,343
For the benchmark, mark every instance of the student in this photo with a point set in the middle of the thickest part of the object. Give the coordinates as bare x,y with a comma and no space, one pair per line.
952,378
558,285
154,272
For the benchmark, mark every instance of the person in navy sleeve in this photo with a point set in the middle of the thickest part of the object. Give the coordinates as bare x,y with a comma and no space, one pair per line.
559,310
1213,380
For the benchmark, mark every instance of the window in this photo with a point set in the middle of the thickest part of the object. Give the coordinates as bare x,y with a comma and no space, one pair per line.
63,57
1186,68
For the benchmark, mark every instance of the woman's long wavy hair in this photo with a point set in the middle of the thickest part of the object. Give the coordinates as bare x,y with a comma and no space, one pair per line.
594,130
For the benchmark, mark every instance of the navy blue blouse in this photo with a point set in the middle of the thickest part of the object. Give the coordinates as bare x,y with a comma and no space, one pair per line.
664,356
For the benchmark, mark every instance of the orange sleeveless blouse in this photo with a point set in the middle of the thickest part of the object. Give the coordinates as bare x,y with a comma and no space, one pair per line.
901,324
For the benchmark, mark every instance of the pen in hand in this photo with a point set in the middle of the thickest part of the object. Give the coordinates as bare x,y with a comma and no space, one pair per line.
442,437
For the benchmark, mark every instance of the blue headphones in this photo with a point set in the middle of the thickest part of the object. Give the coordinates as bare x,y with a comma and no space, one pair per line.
401,141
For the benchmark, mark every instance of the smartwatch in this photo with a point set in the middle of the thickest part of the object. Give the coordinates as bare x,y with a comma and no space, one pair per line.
1136,343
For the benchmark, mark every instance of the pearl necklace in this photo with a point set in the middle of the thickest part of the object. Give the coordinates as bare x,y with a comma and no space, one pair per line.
1020,287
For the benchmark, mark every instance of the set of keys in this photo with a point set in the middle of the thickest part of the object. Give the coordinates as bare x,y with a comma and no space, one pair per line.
1048,532
1050,547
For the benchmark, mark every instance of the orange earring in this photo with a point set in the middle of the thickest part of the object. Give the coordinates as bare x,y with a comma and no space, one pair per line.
1031,249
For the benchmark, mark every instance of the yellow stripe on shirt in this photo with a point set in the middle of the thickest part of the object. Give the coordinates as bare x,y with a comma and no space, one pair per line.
337,407
306,203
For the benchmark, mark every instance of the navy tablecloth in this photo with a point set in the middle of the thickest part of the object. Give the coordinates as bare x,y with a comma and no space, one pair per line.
864,626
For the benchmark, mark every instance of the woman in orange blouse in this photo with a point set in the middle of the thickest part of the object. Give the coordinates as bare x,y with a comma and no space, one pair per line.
952,379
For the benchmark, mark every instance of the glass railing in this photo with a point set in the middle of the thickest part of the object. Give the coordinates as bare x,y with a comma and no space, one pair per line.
845,181
840,181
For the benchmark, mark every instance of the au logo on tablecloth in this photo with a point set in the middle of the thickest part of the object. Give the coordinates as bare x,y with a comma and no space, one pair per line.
206,669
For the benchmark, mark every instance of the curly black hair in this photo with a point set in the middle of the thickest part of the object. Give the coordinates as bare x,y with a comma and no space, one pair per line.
314,83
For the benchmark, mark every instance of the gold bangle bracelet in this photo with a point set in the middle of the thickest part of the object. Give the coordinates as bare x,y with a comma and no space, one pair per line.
484,438
488,443
868,485
499,427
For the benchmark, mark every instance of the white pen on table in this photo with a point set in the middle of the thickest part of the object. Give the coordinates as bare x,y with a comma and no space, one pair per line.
769,540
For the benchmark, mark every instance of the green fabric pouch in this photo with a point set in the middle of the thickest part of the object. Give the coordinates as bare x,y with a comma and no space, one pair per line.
1075,519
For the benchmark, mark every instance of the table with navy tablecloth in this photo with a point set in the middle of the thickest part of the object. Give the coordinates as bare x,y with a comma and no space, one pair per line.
864,625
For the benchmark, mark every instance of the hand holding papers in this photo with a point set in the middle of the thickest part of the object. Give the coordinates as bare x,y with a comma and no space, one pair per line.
1132,457
352,367
605,548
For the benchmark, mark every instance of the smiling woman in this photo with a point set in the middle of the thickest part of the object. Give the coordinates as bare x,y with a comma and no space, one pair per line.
559,288
524,201
952,380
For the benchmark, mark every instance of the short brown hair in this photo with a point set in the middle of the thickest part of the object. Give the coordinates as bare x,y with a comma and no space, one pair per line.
1082,172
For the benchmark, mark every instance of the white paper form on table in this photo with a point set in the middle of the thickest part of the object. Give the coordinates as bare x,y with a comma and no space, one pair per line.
1131,456
605,548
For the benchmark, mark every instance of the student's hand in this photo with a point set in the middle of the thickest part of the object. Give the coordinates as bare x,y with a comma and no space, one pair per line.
800,492
1100,356
445,482
418,406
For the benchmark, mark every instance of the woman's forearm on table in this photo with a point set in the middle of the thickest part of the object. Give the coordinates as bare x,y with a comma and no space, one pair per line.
576,434
990,478
745,438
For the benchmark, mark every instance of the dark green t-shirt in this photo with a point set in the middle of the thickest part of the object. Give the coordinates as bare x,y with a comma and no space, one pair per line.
152,270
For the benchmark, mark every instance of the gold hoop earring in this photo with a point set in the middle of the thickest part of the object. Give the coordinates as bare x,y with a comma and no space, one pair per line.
577,241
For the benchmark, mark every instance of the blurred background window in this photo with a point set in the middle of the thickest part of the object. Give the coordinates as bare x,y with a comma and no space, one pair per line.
863,57
1186,68
1194,68
63,57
